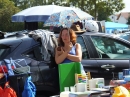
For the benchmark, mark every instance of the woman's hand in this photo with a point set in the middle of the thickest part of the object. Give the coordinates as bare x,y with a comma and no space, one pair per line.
60,51
60,55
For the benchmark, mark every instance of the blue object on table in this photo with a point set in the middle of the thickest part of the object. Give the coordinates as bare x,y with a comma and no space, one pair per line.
123,82
29,88
126,72
120,75
127,78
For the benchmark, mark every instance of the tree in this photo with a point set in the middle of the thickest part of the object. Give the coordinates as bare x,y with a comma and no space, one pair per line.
104,8
23,4
7,9
101,9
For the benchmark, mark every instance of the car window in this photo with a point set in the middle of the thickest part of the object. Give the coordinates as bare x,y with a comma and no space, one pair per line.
111,48
4,51
34,53
85,54
125,36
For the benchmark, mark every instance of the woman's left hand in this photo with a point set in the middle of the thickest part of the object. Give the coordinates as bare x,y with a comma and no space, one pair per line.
60,52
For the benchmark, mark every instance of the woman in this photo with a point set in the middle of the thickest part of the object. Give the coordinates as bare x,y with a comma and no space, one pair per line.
69,50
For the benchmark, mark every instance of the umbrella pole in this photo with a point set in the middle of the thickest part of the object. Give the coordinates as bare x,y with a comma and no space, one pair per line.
25,25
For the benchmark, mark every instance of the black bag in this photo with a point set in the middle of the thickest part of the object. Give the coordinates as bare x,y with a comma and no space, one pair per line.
52,63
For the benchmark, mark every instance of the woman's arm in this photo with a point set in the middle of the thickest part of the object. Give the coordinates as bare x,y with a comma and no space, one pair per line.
60,55
78,56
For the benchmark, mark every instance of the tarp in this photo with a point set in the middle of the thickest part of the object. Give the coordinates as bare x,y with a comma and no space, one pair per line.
113,25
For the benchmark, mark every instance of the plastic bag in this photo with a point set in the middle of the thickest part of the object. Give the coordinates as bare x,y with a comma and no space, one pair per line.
29,88
7,91
67,73
21,69
9,64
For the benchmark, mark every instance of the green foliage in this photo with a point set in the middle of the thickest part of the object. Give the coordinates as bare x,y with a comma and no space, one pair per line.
7,9
90,6
103,8
109,20
11,7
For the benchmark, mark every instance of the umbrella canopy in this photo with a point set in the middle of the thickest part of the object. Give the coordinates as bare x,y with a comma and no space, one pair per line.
37,13
65,18
40,13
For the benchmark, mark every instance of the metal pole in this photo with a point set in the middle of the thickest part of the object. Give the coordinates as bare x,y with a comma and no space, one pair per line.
95,10
106,9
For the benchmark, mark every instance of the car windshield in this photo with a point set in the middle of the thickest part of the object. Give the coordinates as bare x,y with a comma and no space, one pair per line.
4,51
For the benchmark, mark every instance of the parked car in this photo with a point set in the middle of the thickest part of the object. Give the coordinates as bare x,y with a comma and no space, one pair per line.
125,35
98,50
1,35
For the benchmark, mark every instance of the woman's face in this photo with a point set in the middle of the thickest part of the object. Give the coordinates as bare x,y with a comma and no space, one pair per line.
65,36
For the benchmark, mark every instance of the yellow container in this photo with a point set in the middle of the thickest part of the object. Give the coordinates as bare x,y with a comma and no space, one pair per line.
121,91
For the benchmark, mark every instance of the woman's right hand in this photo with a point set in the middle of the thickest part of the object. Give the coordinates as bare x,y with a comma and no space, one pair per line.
60,55
59,50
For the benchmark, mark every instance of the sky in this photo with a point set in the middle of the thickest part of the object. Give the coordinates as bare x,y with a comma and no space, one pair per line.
127,6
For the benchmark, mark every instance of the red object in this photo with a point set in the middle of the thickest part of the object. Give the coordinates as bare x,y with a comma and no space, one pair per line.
127,86
5,69
7,91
